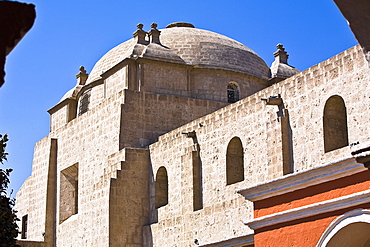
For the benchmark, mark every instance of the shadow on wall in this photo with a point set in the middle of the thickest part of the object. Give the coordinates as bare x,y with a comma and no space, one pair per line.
287,140
153,211
286,132
159,185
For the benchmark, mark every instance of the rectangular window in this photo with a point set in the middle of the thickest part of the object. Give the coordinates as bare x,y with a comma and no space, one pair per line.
84,102
24,226
68,192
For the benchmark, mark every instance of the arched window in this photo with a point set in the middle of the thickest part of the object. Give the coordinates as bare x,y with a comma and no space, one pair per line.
335,124
232,92
161,187
234,161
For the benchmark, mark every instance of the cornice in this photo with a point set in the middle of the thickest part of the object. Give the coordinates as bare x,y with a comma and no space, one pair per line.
60,105
304,179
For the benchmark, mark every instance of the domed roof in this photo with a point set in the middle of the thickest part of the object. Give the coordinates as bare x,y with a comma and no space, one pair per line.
194,46
67,95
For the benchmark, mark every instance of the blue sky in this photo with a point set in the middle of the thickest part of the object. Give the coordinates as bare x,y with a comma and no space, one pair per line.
70,33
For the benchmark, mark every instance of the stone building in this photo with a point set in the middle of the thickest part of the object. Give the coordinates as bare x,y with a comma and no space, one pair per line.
184,137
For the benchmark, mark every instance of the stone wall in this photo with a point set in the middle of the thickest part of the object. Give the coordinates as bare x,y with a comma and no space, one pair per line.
59,118
259,127
129,201
89,140
97,96
116,82
145,116
193,82
165,78
81,141
116,171
161,78
211,84
33,192
92,140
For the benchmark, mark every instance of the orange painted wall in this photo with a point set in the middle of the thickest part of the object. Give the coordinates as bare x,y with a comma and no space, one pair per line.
306,232
299,233
318,193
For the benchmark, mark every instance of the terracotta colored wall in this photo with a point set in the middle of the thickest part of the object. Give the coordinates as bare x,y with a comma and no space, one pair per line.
305,234
307,231
299,233
322,192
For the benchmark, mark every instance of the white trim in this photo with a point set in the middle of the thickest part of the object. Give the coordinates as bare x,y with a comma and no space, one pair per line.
311,210
304,179
354,216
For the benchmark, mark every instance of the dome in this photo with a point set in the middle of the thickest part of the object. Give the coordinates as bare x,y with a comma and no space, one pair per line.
67,95
194,46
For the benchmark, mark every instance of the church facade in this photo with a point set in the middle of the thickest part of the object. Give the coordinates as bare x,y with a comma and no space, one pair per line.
185,137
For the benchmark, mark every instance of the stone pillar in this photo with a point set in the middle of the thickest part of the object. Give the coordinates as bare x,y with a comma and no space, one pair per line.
196,172
286,135
51,197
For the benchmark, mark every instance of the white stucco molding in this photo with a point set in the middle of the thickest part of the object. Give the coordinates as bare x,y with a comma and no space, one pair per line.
361,152
311,210
304,179
354,216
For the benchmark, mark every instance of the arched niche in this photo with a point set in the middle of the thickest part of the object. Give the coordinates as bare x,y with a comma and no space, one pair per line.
234,161
335,124
349,229
161,187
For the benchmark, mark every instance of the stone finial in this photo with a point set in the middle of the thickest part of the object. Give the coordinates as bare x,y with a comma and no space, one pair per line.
140,26
154,25
154,34
280,69
82,69
81,76
281,55
280,47
140,34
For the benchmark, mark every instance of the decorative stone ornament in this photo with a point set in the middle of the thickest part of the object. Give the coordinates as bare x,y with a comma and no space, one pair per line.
140,34
154,34
281,54
81,76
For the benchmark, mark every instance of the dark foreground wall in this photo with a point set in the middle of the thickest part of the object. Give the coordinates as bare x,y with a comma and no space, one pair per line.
357,13
15,21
